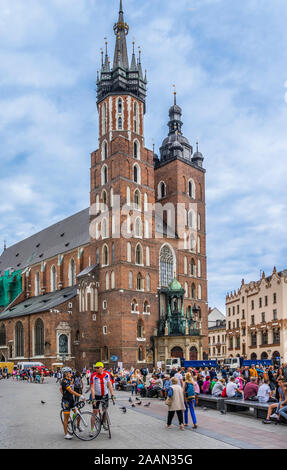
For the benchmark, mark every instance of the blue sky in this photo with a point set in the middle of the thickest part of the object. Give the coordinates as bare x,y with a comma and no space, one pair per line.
228,61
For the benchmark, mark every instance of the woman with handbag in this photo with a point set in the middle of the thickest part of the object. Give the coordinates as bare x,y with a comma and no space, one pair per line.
175,403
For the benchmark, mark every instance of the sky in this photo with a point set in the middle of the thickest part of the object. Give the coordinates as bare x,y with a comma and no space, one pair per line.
228,61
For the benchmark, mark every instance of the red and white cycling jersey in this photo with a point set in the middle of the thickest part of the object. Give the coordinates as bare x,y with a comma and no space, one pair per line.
101,383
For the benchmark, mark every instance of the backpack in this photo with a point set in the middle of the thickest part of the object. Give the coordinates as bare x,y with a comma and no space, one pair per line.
189,390
224,394
78,382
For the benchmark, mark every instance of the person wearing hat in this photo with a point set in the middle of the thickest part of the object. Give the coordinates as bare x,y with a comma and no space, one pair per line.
101,385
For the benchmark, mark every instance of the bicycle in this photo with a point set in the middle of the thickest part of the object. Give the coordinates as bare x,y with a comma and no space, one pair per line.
84,425
103,418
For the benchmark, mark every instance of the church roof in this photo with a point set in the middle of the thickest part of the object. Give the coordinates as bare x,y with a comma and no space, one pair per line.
39,304
59,238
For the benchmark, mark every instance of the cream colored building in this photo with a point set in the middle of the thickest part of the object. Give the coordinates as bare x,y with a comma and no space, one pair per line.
216,335
256,318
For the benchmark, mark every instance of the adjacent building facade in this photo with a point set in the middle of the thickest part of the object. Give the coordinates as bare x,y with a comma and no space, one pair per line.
256,318
118,261
216,335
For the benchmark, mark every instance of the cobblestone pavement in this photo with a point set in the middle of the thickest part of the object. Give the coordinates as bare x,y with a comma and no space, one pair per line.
27,423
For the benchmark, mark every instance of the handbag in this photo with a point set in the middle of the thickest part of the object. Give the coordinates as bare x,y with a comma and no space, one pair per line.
168,401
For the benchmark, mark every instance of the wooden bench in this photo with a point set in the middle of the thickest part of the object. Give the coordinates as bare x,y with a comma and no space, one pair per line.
216,403
260,409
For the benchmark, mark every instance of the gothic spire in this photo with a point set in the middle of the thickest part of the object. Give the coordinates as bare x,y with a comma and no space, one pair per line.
121,30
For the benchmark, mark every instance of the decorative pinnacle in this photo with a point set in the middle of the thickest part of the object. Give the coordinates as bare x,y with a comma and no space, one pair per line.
174,94
102,56
140,51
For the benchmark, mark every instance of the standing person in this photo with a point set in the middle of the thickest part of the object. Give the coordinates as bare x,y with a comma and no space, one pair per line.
78,385
246,374
14,374
253,372
176,403
144,372
179,376
189,396
100,388
68,401
88,375
42,376
134,382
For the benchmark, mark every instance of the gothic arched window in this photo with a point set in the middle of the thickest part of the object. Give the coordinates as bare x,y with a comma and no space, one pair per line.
166,266
72,273
105,256
2,335
39,337
120,124
53,279
139,282
137,199
63,344
19,339
139,254
120,106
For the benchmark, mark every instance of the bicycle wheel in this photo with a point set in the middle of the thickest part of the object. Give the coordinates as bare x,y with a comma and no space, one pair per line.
86,426
107,425
70,423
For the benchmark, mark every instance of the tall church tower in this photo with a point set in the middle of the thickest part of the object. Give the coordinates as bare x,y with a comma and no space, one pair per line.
122,186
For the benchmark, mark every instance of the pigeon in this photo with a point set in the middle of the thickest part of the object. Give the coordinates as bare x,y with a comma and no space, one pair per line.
137,399
130,400
124,409
148,404
204,408
43,402
139,403
133,405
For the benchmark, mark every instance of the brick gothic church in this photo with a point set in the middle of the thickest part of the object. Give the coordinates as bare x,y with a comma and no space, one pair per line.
116,279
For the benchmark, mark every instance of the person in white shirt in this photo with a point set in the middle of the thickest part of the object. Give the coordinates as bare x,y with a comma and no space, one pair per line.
232,389
264,392
179,377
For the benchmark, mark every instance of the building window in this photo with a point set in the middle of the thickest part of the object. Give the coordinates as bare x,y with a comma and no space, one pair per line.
237,323
229,325
252,304
233,310
252,320
264,337
140,329
136,150
120,106
130,280
237,342
242,300
63,344
274,298
148,283
243,314
192,268
263,317
139,282
72,273
19,338
135,117
229,312
105,330
191,189
193,290
53,279
2,335
37,284
105,255
275,314
39,338
139,255
120,124
137,200
276,336
266,301
260,302
253,339
166,266
136,174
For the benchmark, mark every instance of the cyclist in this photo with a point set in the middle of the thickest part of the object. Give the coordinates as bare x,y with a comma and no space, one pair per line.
68,400
101,384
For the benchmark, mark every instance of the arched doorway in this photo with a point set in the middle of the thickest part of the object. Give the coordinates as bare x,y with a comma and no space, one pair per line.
264,356
193,354
176,352
253,357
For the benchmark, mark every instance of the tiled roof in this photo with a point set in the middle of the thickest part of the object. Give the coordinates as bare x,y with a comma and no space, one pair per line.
42,303
61,237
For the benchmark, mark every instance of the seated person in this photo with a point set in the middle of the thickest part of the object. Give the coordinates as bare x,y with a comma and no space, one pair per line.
233,390
264,393
218,388
250,389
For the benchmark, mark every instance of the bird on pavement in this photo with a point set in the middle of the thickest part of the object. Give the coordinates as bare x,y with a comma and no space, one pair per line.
130,400
137,399
133,405
139,403
124,409
43,402
148,404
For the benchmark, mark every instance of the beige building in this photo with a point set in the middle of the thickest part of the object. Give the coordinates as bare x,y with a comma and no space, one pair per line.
256,318
216,335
